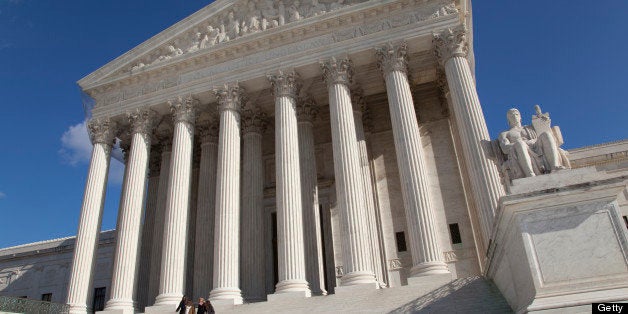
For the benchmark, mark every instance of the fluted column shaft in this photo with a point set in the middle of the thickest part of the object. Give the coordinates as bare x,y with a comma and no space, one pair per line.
291,251
426,253
82,271
227,233
368,191
148,229
173,260
160,213
128,233
309,197
252,244
356,259
452,49
204,251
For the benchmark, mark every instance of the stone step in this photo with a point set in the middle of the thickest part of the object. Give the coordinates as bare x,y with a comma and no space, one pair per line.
465,295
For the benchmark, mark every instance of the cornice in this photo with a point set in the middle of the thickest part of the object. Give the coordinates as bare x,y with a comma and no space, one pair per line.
234,59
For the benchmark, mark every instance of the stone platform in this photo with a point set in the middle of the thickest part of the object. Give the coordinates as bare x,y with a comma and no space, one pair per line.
466,295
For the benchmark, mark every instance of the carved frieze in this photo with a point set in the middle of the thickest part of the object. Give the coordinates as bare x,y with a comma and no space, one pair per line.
307,110
253,121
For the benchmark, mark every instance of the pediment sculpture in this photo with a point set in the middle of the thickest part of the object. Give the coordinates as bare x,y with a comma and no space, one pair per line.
529,150
245,18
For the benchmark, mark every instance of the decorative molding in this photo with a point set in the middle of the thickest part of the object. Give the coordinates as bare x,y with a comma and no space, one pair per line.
392,57
230,97
102,131
183,109
337,71
340,271
285,84
450,43
307,109
395,264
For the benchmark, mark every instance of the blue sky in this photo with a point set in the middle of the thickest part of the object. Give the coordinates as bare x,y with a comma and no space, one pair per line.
567,56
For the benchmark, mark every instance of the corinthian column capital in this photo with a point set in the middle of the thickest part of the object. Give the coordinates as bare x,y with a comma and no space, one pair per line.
102,131
357,99
183,109
285,84
230,97
451,42
337,71
307,110
207,126
141,120
392,57
253,121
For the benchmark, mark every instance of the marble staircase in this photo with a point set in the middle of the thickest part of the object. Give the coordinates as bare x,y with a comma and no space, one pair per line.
465,295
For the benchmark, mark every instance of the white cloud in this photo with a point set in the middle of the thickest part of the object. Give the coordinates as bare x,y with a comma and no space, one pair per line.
76,149
2,195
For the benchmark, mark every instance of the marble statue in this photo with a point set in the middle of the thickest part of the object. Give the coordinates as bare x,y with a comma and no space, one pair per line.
531,150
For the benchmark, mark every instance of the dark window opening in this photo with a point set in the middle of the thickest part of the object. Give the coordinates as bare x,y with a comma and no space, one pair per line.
99,299
320,216
454,232
626,221
24,297
401,241
46,297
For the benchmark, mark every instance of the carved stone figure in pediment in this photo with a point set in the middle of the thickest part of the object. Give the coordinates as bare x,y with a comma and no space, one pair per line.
195,42
316,8
252,23
233,26
293,11
270,14
337,5
531,150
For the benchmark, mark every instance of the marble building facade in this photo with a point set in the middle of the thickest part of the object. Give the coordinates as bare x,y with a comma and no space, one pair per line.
288,149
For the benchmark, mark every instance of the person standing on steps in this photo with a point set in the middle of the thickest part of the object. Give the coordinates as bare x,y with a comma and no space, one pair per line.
181,307
202,307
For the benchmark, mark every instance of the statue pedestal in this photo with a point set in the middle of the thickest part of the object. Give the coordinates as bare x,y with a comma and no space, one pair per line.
560,243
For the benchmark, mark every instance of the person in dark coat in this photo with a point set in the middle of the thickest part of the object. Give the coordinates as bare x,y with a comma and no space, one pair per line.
181,307
202,308
209,307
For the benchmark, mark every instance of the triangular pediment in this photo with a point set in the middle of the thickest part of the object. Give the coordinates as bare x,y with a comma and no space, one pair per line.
215,25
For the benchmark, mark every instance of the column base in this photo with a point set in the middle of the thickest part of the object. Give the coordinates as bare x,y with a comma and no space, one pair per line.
119,306
225,296
429,269
358,278
292,285
168,299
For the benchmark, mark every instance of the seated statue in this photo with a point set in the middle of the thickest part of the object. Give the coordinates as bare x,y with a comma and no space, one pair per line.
531,150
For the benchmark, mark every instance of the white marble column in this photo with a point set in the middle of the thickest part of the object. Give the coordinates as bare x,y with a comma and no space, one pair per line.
204,251
356,257
359,107
306,113
128,233
291,251
252,242
148,229
173,260
102,134
427,257
164,136
227,233
451,49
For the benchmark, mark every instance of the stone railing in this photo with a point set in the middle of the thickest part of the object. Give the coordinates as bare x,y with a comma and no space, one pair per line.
20,305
